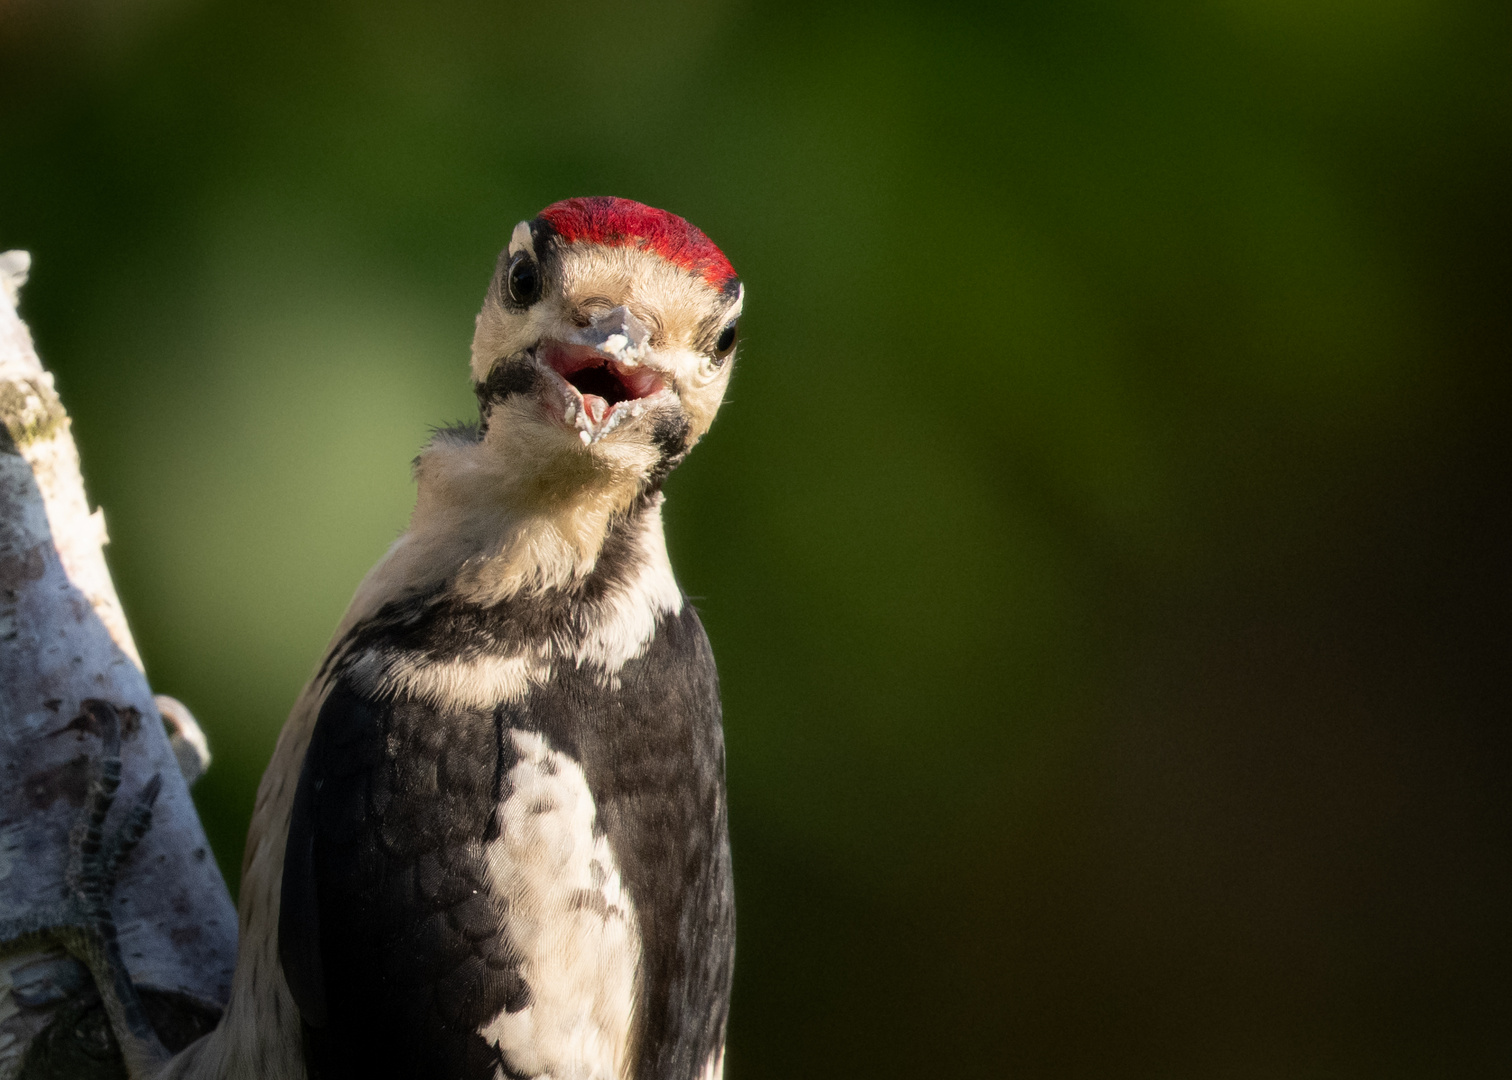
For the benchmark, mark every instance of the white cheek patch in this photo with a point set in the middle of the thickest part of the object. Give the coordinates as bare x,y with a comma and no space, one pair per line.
624,622
570,920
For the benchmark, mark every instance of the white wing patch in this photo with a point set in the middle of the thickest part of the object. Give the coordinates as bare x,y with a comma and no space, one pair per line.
569,918
479,683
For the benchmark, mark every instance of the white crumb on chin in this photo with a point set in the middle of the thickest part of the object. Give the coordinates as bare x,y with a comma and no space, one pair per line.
570,919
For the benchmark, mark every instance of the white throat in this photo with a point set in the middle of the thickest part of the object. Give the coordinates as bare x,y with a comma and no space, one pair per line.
522,511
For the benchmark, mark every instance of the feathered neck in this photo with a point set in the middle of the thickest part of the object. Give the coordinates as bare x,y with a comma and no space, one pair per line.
508,514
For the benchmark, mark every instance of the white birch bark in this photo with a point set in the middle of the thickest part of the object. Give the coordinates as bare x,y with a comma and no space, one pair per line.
64,639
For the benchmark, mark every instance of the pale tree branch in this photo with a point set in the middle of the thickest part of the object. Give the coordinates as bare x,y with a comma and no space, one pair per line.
64,644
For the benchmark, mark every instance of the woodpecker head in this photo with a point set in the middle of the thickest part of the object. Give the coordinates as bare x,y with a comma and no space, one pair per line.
606,340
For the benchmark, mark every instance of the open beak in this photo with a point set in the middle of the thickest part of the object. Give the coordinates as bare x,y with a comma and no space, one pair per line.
603,372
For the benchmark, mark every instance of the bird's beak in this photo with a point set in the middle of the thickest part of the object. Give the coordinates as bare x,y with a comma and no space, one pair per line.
604,373
618,334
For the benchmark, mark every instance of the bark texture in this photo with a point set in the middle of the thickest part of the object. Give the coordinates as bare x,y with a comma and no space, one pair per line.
63,640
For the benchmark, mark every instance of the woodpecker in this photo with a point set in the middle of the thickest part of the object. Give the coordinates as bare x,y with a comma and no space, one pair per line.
491,842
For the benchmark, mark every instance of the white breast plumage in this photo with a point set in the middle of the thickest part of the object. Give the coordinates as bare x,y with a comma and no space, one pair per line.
570,919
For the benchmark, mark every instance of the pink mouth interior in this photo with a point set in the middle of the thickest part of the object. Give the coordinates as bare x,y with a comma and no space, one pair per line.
597,375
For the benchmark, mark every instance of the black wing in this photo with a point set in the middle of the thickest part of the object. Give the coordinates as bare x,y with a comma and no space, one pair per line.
389,940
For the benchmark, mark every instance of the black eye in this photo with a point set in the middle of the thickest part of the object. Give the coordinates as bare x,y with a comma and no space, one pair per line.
725,342
523,280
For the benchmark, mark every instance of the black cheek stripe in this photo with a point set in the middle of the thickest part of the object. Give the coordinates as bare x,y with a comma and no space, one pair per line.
508,376
670,436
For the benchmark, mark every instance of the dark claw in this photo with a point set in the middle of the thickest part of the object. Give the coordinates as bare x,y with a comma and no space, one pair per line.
88,836
84,924
130,832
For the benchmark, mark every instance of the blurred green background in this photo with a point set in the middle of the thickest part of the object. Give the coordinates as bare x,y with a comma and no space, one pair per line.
1104,542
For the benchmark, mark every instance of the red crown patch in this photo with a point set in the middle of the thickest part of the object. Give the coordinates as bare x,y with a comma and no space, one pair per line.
615,222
